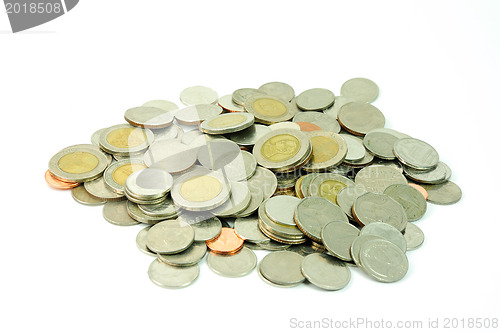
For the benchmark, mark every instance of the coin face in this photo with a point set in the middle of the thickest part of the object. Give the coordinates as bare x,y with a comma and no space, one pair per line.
237,202
328,186
198,95
264,180
383,260
241,95
149,117
373,207
329,149
381,141
278,232
387,232
188,257
257,196
282,268
149,183
227,103
248,228
355,148
416,154
168,276
228,242
315,99
81,195
360,89
414,236
410,199
237,265
125,139
170,237
333,110
438,175
227,123
116,174
319,119
140,241
337,237
357,244
359,118
171,156
377,178
216,154
268,109
420,189
242,167
116,213
347,196
278,89
99,189
443,194
196,114
325,271
281,208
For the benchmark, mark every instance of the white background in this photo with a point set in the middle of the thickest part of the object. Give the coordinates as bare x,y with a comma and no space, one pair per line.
66,269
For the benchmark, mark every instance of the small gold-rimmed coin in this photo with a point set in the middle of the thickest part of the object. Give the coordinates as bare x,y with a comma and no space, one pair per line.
268,109
329,149
116,174
125,139
227,123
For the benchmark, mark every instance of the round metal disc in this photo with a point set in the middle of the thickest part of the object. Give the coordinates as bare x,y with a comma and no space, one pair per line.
227,123
440,174
278,89
443,194
381,141
387,232
337,237
378,178
99,189
315,99
328,185
81,195
383,260
249,136
140,241
240,96
237,202
218,153
325,271
168,276
320,119
198,95
116,213
360,89
170,237
410,199
191,256
282,268
233,266
373,207
416,154
329,150
414,236
149,117
248,228
265,180
227,103
162,104
165,209
171,156
355,148
268,109
347,196
125,139
205,226
117,173
281,208
242,167
359,118
357,244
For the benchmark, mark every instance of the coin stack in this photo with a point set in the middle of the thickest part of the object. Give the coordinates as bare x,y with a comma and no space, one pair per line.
316,179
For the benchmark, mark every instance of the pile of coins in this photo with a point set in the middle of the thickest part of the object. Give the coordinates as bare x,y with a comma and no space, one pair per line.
316,179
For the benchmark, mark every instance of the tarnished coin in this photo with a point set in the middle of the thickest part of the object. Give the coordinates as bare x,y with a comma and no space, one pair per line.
170,237
265,180
337,237
282,268
227,123
383,260
328,185
284,125
359,118
381,141
357,244
218,153
78,163
377,178
315,99
387,232
191,256
249,136
171,156
149,117
372,207
81,195
165,209
227,103
355,149
140,241
238,265
440,174
319,119
227,242
281,208
198,95
168,276
162,104
360,89
149,183
117,173
241,95
443,194
196,114
125,140
237,202
347,196
414,236
256,199
333,110
59,184
410,199
248,228
313,213
329,149
242,167
416,154
99,189
206,227
325,271
278,89
268,109
116,213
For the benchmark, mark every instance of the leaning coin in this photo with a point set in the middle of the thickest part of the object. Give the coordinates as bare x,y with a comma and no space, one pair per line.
282,268
414,236
241,95
198,95
381,141
385,231
125,139
329,149
268,109
359,118
227,103
377,178
410,199
415,153
237,265
325,271
117,173
315,99
171,156
248,228
168,276
337,237
116,213
372,207
357,244
140,241
440,174
82,196
333,110
96,136
347,196
196,114
280,209
328,185
149,117
360,89
99,189
355,148
170,237
443,194
278,89
189,257
383,260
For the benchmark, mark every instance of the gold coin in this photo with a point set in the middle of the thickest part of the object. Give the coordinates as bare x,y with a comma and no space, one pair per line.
121,174
200,188
328,185
324,148
329,149
269,107
329,189
126,138
280,148
78,162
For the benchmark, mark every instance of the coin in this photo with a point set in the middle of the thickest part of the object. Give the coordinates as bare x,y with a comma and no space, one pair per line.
171,156
414,236
329,150
168,276
278,89
383,260
227,123
149,183
282,268
284,125
125,139
325,271
162,104
218,153
377,178
420,189
99,189
367,160
78,163
135,213
280,209
306,182
337,237
313,213
149,117
81,195
315,99
277,232
206,227
268,109
241,95
410,199
171,132
170,237
360,89
328,185
117,173
248,228
165,209
227,103
198,95
256,199
357,244
228,242
59,184
355,149
116,214
241,168
233,266
249,136
273,245
196,114
381,141
189,257
319,119
265,180
416,154
333,110
386,232
372,207
140,241
359,118
347,196
443,194
438,175
96,136
307,126
237,202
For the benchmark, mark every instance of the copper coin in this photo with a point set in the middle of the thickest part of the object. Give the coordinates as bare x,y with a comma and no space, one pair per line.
228,242
59,184
421,189
307,126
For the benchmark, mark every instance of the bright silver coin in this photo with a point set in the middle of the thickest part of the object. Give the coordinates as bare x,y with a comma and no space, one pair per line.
171,132
284,125
81,195
278,89
387,232
237,202
170,237
383,260
280,209
191,256
315,99
360,89
410,199
416,154
171,156
168,276
337,237
325,271
198,95
135,213
232,266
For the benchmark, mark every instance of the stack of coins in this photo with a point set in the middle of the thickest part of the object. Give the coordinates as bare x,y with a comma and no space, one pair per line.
316,179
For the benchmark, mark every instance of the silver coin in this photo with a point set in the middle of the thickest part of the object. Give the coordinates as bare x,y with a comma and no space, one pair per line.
360,89
124,139
136,200
240,96
249,136
171,132
333,110
410,199
190,136
347,196
96,136
383,260
165,209
390,163
241,168
416,154
328,185
119,157
168,276
191,256
217,154
381,141
377,178
268,109
313,213
320,119
303,249
206,227
265,180
337,237
170,237
198,95
140,241
116,213
117,173
305,184
386,232
438,175
196,114
81,195
162,104
278,89
99,189
414,236
232,266
237,202
273,245
277,232
257,196
135,213
281,208
359,118
372,207
315,99
149,183
284,125
325,271
355,148
227,103
443,194
367,160
282,268
357,244
248,228
171,156
149,117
